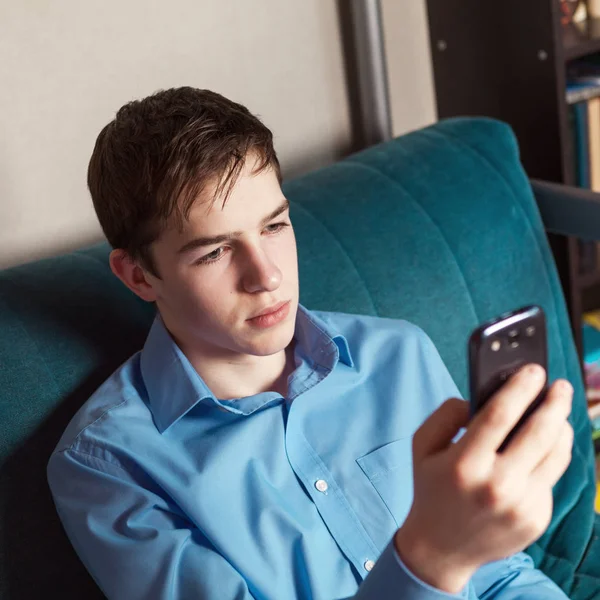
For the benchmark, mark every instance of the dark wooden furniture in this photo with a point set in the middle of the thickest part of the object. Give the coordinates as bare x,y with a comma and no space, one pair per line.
508,60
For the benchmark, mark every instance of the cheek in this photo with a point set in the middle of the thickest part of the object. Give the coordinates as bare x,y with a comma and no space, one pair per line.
188,290
210,290
204,306
287,255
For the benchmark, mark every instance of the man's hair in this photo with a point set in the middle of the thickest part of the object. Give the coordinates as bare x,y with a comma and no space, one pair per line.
152,162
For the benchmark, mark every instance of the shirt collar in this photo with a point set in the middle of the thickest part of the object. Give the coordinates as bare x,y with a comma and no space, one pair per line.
174,387
313,336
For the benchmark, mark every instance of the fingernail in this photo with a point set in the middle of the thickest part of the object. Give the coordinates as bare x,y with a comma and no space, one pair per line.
534,371
565,386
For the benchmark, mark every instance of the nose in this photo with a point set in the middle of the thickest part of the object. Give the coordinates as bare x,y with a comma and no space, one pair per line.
260,274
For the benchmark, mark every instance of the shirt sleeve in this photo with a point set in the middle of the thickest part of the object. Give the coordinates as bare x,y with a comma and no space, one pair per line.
515,578
133,543
390,579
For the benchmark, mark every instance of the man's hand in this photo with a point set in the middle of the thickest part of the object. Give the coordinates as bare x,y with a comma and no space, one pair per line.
473,505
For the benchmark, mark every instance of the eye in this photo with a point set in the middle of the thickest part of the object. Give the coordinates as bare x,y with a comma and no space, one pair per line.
211,257
276,227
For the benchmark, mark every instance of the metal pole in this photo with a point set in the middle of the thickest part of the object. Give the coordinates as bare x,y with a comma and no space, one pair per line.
372,73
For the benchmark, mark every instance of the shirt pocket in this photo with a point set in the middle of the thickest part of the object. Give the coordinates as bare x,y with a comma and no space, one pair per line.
389,469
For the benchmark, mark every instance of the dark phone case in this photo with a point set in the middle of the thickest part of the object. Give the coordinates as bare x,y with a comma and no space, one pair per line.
488,369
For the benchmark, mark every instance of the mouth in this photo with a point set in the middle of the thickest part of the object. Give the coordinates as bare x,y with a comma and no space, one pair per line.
271,316
270,310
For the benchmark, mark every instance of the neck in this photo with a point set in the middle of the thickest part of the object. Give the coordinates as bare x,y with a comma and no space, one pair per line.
245,375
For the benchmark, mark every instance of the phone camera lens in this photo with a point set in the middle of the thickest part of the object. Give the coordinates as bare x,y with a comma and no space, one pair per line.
513,337
530,331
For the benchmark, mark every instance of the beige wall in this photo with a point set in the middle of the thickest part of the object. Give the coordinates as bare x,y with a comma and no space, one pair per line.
68,65
409,64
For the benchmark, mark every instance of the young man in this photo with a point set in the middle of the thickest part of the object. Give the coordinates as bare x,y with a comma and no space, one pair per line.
255,449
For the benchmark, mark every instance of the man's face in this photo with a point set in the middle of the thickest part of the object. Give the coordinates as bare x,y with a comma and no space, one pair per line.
229,265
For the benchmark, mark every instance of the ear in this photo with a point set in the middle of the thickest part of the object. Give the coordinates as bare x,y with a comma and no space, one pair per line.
138,280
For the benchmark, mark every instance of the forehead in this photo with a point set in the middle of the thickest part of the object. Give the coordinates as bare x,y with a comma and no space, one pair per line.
253,197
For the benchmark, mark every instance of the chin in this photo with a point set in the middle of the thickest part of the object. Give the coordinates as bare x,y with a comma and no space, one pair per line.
272,341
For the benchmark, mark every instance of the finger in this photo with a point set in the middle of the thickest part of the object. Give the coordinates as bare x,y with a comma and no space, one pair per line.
436,433
538,434
557,461
490,426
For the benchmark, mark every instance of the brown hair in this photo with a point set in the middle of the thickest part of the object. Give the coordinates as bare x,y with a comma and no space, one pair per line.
152,162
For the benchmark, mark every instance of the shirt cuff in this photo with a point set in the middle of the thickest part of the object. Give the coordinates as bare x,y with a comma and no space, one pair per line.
390,579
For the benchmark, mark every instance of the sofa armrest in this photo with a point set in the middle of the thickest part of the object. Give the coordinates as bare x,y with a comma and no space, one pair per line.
568,210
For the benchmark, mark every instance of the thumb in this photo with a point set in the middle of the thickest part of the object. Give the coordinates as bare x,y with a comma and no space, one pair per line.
436,433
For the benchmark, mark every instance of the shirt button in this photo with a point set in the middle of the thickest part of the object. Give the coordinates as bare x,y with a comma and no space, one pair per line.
369,564
321,485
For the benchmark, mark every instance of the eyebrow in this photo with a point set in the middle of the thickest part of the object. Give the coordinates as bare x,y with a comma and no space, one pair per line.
224,237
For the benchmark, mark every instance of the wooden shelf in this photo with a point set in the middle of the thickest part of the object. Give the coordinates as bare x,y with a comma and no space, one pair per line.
589,280
579,39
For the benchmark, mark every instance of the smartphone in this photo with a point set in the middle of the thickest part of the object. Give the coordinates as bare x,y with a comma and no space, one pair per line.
499,348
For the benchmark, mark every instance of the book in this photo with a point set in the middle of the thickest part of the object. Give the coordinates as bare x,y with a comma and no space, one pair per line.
593,116
583,80
580,91
594,142
579,113
591,358
592,318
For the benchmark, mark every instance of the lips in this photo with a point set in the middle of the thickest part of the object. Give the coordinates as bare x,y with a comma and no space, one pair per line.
270,309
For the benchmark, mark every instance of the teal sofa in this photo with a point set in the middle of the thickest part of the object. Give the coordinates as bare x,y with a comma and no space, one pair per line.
438,227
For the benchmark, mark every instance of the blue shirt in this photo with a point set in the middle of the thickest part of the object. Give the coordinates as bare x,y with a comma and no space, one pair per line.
168,492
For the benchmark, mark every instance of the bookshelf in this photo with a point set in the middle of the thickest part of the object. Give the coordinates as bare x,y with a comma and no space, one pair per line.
508,60
581,39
